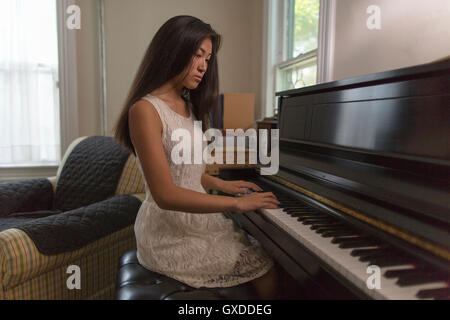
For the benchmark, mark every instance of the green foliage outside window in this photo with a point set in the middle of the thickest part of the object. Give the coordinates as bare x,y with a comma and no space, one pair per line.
302,37
306,26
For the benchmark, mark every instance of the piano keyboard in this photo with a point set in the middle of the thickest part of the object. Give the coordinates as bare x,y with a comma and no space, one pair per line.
351,252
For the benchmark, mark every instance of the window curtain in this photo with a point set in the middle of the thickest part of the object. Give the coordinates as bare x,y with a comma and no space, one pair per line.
29,95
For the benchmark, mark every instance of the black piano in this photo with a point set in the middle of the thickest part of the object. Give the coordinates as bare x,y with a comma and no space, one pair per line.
364,187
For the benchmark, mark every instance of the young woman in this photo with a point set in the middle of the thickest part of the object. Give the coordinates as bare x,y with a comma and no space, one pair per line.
180,229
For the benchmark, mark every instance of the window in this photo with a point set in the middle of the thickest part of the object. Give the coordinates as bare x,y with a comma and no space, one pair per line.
29,94
299,43
300,68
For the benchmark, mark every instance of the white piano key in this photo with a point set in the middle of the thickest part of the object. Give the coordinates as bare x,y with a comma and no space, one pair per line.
343,262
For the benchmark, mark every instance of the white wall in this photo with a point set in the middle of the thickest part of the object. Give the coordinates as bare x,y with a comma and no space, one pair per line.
412,32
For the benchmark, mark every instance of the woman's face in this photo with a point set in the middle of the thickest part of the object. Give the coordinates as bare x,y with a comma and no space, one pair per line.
198,66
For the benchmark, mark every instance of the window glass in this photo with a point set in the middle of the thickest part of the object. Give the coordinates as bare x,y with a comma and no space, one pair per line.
305,26
29,94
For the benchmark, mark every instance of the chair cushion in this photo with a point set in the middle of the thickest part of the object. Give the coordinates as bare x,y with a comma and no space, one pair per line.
72,230
25,196
34,214
134,282
90,173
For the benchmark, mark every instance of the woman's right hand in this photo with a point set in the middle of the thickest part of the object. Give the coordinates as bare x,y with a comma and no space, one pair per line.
256,200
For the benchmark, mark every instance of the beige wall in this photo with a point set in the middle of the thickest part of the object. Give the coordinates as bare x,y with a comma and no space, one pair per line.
130,26
88,70
412,32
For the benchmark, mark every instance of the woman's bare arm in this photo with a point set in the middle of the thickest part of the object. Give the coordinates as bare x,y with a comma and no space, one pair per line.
228,186
146,135
210,182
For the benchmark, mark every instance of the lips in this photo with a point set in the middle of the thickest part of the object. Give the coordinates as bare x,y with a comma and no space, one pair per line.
198,78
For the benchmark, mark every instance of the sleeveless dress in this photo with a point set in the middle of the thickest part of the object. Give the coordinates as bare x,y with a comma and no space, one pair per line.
198,249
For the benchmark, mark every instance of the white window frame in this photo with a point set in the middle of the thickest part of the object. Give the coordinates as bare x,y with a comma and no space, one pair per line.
68,88
68,97
275,47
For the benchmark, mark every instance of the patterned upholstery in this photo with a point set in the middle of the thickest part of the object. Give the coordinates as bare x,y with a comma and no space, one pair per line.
131,181
27,273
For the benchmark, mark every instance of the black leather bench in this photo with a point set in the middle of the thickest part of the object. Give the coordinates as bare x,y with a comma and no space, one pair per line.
134,282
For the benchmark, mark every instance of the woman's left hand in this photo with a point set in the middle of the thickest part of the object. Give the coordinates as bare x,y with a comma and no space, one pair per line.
238,186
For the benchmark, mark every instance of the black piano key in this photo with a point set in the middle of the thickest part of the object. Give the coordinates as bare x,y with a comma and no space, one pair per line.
399,272
311,221
305,216
294,204
320,227
300,212
357,244
297,209
339,240
317,219
390,261
354,242
364,252
421,277
440,294
332,234
381,250
291,214
371,256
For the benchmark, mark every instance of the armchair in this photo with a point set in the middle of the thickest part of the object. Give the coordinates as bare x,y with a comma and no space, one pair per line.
83,217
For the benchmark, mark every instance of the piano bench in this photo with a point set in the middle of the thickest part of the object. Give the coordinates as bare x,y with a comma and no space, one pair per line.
134,282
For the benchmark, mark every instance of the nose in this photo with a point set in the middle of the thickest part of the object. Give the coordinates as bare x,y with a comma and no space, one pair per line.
202,65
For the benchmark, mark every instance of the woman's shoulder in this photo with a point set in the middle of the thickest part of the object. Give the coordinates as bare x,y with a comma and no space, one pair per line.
145,109
145,101
144,104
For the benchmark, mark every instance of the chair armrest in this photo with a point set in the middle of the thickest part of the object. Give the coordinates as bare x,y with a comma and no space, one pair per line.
21,261
140,196
71,230
25,196
53,181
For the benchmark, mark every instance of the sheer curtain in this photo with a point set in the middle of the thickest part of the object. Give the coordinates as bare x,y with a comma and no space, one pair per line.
29,95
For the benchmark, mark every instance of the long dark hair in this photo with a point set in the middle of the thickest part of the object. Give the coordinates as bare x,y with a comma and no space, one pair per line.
167,56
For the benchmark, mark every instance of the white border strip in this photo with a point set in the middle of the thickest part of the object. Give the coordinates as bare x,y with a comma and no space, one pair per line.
67,52
325,57
102,63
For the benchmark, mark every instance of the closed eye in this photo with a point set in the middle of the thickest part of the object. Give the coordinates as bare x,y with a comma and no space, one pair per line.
199,56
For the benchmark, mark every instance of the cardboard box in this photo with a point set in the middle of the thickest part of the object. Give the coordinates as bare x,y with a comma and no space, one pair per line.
238,110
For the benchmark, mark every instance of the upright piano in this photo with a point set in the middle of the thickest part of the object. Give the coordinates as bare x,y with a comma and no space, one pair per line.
363,183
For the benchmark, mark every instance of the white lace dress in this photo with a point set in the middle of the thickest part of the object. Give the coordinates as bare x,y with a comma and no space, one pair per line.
198,249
